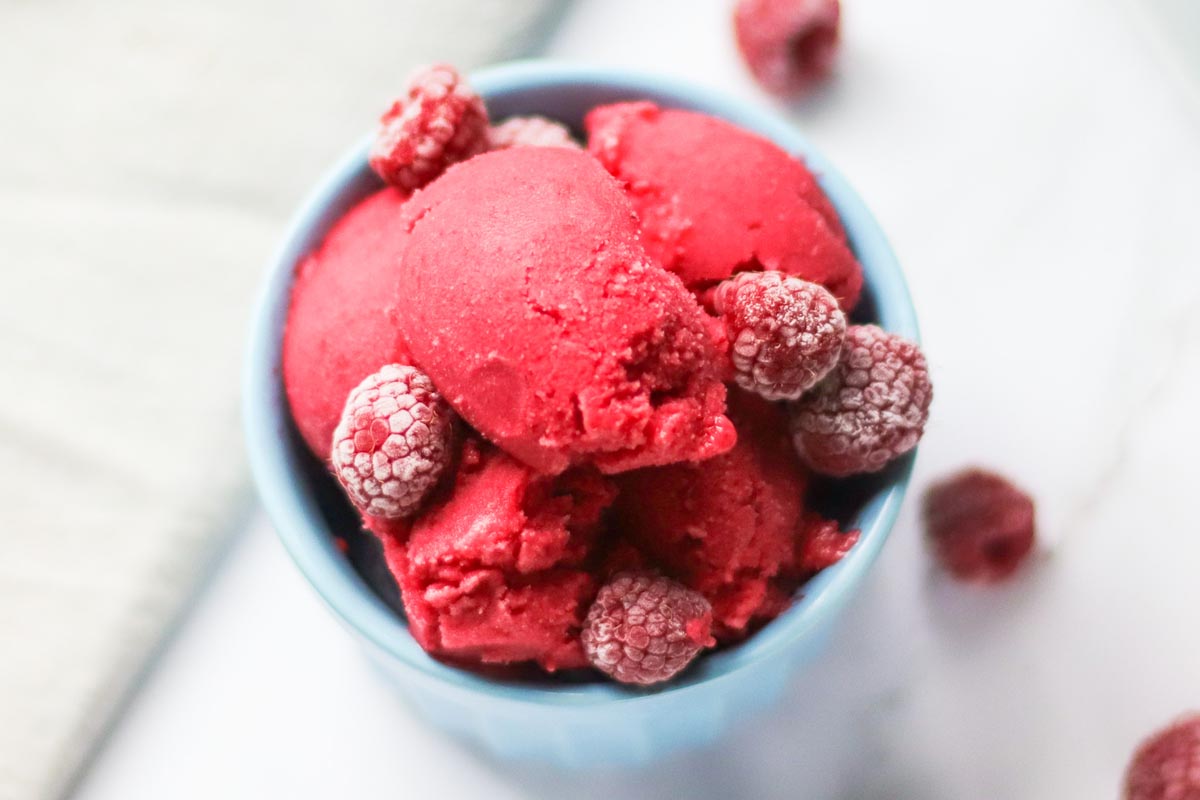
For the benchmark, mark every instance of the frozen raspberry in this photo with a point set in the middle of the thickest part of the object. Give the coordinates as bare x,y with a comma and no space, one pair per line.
870,409
530,132
392,442
979,525
785,334
439,121
789,45
823,545
1167,765
644,628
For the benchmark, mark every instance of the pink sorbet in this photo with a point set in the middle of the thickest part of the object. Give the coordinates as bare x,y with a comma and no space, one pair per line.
726,527
494,570
524,292
715,199
341,325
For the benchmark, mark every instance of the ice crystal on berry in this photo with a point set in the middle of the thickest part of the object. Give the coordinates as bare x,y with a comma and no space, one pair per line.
392,442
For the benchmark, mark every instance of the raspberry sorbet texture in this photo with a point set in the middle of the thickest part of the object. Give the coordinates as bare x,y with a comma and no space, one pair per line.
525,294
728,526
341,325
494,570
715,199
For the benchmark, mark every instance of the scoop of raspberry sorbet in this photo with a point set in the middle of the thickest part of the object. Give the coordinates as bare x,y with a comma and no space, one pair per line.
341,325
745,205
494,569
525,294
728,526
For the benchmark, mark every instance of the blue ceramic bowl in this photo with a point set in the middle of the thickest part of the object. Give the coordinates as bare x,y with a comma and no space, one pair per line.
571,724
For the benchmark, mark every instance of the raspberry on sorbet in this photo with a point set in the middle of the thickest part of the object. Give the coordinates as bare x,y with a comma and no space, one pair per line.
869,410
644,628
784,333
393,441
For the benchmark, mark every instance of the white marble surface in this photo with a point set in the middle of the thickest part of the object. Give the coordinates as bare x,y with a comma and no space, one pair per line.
1037,164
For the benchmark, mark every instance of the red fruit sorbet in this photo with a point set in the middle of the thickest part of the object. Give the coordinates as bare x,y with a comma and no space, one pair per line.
980,526
823,545
493,570
745,205
725,527
527,344
525,294
341,324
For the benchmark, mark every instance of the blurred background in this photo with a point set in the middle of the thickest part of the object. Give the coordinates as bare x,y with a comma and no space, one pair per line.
1037,165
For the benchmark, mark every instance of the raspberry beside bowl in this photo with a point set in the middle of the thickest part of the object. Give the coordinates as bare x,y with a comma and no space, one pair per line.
568,723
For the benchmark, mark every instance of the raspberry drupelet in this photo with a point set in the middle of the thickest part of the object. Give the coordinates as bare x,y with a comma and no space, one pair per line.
643,628
869,410
979,525
1167,765
785,334
438,121
789,45
530,132
392,442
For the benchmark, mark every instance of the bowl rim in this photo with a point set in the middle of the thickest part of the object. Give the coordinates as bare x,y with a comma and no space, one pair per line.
297,519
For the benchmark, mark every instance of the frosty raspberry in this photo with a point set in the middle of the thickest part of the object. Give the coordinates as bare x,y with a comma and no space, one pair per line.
789,45
870,409
1167,765
530,132
980,526
438,121
644,628
393,442
785,334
